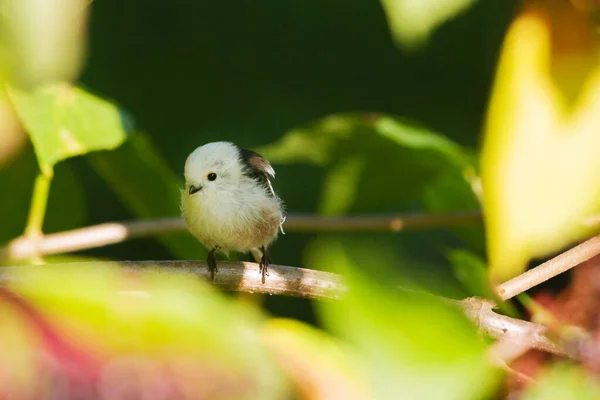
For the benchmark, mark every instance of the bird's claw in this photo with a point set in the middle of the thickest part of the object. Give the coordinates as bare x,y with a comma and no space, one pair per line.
212,264
265,260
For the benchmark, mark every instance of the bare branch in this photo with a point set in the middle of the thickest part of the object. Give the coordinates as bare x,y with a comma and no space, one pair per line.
498,326
551,268
312,284
231,276
116,232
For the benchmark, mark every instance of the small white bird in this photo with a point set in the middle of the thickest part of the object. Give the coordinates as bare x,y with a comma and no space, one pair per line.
229,202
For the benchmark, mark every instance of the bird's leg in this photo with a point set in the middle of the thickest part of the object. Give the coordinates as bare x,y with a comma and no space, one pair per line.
265,260
212,263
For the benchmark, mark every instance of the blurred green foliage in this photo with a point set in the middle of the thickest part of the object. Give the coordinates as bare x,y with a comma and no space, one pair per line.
404,339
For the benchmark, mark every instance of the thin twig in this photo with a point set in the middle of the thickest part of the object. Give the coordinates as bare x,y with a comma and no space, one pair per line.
111,233
551,268
379,223
312,284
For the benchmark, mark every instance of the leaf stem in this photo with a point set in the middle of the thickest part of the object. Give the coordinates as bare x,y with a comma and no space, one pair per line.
37,210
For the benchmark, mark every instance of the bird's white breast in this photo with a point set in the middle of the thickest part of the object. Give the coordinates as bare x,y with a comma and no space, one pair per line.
236,217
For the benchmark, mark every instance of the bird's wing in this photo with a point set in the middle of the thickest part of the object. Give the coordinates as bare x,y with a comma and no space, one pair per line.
258,168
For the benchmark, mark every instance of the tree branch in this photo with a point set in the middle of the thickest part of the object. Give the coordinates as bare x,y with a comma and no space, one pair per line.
525,333
312,284
231,276
111,233
551,268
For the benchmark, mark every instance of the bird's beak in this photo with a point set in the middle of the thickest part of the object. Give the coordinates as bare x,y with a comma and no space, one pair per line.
195,189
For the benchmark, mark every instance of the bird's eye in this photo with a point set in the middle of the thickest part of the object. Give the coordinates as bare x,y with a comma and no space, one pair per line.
212,176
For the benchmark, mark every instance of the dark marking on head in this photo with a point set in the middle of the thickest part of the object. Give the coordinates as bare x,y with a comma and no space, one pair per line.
257,168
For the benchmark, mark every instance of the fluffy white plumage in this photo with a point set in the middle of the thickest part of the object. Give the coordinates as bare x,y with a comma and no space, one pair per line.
228,202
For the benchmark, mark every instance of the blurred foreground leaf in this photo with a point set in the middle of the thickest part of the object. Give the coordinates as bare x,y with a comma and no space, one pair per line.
540,163
412,22
65,121
322,367
116,333
405,341
566,383
146,185
42,41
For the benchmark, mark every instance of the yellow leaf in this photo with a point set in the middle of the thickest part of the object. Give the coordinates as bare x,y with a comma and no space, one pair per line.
540,157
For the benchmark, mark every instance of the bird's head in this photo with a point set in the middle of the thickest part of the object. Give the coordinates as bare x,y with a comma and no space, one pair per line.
212,168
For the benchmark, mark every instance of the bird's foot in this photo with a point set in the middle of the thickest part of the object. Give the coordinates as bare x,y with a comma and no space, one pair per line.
212,263
265,261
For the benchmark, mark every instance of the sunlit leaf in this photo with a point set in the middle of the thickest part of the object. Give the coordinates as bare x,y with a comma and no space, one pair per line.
412,22
565,383
405,340
65,121
540,164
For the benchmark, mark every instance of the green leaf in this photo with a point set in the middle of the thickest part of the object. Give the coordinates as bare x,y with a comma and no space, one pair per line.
376,164
412,22
405,340
566,383
372,161
147,186
65,121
